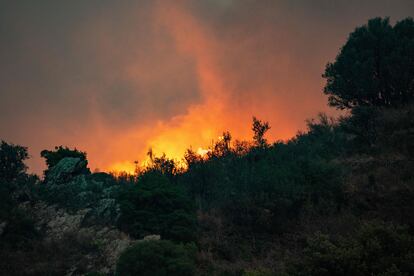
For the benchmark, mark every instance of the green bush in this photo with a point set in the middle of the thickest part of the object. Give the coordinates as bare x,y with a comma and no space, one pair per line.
157,258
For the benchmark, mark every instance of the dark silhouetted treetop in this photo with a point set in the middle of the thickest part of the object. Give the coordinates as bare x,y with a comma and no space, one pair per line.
222,146
259,129
375,67
12,161
54,156
162,164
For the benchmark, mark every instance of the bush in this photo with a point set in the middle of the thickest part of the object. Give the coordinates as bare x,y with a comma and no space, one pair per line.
53,157
12,159
376,249
157,258
16,227
154,206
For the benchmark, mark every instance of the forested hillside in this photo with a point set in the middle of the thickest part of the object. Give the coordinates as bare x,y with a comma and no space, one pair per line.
336,199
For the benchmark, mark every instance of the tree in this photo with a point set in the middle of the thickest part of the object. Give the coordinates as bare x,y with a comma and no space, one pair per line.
222,146
162,164
259,129
12,161
375,67
54,156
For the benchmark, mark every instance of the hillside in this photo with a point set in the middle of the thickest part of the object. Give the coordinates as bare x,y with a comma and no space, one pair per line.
336,199
312,205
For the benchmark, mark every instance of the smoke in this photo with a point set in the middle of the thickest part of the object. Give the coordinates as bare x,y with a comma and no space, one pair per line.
116,78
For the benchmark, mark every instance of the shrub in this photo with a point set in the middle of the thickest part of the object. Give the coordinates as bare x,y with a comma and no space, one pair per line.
154,206
53,157
157,258
376,248
12,159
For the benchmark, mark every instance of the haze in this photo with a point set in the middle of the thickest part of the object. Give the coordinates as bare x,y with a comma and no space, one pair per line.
116,78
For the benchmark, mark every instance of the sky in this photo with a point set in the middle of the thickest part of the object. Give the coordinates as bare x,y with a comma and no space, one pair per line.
115,78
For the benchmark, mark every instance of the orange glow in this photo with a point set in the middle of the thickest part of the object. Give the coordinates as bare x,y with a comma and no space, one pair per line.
204,121
122,167
116,79
171,76
203,152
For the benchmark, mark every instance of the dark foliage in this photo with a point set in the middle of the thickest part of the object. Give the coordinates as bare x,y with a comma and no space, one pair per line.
53,157
157,258
259,129
155,206
17,230
375,249
273,183
375,67
12,159
261,207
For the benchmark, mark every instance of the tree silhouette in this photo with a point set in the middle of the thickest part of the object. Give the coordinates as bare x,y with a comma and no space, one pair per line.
222,147
375,67
259,129
54,156
12,161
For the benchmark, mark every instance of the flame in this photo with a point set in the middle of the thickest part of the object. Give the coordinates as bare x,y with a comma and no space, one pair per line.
203,152
201,122
122,167
183,131
219,108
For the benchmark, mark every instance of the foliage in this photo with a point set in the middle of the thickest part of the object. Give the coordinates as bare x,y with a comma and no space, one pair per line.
157,258
51,256
376,249
162,164
12,159
155,206
259,129
374,130
258,203
53,157
375,67
362,128
273,183
17,230
16,227
393,130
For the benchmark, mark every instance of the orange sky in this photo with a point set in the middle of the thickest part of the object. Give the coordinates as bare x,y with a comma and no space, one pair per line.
115,78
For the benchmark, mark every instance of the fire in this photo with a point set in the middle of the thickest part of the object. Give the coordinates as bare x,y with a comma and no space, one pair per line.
122,167
202,152
175,136
221,107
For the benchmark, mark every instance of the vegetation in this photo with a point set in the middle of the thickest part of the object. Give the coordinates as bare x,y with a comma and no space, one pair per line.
336,199
158,258
375,249
53,157
155,206
374,67
12,159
